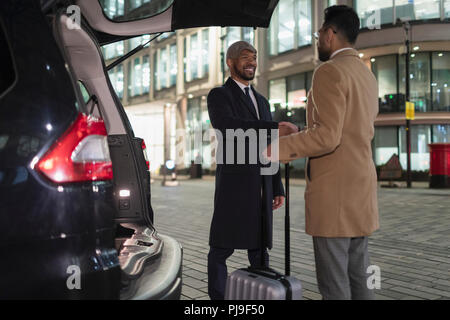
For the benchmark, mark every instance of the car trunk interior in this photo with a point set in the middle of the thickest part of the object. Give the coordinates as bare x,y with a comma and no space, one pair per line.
136,239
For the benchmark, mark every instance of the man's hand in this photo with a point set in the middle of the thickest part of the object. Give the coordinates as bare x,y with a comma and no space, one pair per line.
287,128
268,155
277,202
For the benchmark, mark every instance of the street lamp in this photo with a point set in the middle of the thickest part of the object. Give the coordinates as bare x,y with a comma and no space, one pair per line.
407,28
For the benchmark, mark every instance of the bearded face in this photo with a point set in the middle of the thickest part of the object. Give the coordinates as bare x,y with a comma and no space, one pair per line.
324,54
245,66
324,43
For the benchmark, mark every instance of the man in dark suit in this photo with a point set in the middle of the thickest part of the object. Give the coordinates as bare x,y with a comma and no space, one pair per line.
243,196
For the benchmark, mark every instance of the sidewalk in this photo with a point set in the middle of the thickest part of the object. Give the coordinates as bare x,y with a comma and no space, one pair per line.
411,248
302,182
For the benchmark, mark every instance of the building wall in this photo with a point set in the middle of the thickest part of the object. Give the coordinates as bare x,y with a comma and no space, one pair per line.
283,76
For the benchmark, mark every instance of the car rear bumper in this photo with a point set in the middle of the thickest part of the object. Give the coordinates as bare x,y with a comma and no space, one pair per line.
162,277
71,267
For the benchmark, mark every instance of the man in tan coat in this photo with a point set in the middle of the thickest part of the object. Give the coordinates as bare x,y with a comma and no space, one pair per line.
341,192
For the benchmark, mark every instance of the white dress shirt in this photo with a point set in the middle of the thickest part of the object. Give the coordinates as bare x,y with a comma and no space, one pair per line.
252,95
337,51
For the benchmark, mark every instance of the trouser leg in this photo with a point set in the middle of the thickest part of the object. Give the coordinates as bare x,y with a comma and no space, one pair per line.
217,272
254,257
331,256
357,269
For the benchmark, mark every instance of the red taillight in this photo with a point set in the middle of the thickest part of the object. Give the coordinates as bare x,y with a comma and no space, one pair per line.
81,154
144,150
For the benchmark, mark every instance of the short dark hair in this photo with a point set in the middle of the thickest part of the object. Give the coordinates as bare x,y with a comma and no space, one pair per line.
345,20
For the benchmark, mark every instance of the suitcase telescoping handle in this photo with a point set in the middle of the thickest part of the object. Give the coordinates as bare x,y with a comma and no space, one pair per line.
287,238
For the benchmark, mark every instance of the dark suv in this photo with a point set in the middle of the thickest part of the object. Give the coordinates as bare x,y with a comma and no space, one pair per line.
76,220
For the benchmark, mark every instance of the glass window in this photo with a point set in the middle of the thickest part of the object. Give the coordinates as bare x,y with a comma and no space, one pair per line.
304,22
375,12
139,76
166,63
417,9
116,78
145,74
205,52
173,65
385,70
296,91
118,86
429,81
447,9
193,126
162,69
379,12
113,8
233,34
136,41
194,57
332,3
8,73
441,133
288,97
248,35
129,10
165,35
440,84
385,144
185,59
113,50
291,26
420,138
196,62
277,95
419,80
286,25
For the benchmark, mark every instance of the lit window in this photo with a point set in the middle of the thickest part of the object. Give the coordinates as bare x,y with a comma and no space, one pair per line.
196,55
139,76
291,26
375,13
173,64
113,50
116,78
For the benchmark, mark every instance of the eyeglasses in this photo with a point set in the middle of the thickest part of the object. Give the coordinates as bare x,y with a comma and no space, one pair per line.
317,34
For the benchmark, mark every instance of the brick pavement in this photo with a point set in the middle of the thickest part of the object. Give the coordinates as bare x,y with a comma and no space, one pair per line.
412,247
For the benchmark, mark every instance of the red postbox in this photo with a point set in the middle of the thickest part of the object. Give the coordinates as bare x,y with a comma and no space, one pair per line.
439,165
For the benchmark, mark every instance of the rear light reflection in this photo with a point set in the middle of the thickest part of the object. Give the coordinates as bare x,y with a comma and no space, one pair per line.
81,154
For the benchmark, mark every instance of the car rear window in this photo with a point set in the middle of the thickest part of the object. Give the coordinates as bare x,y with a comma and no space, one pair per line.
131,10
7,74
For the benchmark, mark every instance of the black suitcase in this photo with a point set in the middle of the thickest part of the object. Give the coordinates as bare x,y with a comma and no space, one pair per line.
266,283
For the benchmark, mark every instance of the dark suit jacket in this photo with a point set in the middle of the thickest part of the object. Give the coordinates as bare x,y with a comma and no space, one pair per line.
243,197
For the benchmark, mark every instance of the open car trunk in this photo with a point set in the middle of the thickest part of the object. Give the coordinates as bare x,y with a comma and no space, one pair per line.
151,264
169,15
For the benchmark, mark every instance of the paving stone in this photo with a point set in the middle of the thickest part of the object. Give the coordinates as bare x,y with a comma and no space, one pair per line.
191,293
194,283
415,293
411,247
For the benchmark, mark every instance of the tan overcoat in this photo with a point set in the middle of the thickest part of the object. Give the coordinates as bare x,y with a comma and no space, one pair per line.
341,191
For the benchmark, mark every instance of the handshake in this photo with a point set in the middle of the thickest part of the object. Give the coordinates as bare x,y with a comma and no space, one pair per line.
287,128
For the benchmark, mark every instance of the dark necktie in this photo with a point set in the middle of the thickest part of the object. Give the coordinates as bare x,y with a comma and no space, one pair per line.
247,93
